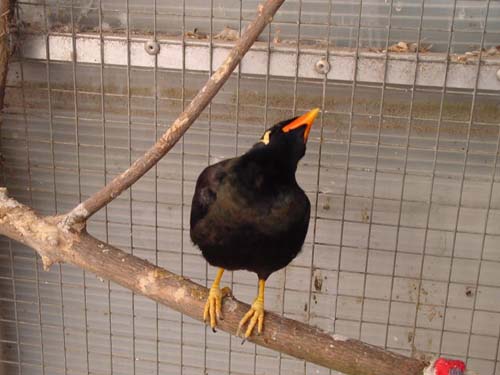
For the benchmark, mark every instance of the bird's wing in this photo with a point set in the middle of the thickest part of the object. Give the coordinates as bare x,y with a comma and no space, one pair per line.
206,189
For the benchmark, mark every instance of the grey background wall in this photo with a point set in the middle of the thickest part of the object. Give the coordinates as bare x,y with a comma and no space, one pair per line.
403,248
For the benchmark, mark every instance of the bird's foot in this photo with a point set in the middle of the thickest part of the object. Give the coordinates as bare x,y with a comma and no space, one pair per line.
213,306
254,316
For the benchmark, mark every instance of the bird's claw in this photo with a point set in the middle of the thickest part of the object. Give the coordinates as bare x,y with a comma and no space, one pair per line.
213,306
254,316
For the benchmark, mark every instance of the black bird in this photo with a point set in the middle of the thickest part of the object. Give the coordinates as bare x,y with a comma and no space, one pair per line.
249,213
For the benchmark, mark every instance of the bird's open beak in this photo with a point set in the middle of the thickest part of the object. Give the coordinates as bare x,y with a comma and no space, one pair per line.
304,120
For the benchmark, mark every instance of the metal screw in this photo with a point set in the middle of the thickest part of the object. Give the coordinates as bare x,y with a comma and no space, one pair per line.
322,66
152,47
498,74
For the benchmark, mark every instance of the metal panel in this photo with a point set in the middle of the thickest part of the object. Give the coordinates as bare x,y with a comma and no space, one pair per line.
370,66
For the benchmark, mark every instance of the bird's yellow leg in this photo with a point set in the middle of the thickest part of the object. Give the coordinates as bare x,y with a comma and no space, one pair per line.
255,314
213,306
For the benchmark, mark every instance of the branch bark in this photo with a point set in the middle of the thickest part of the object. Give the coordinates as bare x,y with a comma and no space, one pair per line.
98,200
56,244
5,17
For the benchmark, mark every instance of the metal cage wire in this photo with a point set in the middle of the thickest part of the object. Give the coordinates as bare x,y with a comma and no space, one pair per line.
401,171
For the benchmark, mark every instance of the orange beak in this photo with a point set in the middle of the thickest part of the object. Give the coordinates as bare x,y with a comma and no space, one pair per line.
304,120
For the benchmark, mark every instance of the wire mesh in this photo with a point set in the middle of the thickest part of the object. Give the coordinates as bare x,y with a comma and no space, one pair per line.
402,250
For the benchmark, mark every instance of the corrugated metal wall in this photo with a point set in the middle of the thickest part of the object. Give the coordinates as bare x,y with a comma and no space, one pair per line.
403,248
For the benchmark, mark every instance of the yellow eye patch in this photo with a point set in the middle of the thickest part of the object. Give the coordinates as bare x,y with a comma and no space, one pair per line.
265,137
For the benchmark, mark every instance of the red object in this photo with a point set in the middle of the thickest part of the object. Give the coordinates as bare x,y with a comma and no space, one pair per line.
445,366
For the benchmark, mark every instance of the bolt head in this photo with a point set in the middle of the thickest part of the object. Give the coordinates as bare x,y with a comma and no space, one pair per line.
322,66
152,47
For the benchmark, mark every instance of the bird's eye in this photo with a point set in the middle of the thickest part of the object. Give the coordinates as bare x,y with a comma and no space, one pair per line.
265,137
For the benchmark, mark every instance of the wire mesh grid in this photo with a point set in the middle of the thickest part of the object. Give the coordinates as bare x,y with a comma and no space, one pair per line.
402,249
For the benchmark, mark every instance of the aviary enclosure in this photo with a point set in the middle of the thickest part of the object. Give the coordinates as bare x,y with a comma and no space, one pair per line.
403,248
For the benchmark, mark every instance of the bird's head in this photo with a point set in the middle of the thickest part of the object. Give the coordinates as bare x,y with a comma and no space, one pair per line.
286,140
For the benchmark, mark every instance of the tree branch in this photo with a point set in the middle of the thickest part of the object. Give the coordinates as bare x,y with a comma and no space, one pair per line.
57,244
98,200
5,17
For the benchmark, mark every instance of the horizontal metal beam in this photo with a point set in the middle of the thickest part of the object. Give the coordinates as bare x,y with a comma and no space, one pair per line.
400,71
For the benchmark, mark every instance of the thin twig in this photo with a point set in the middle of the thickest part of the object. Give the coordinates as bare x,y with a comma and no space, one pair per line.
98,200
